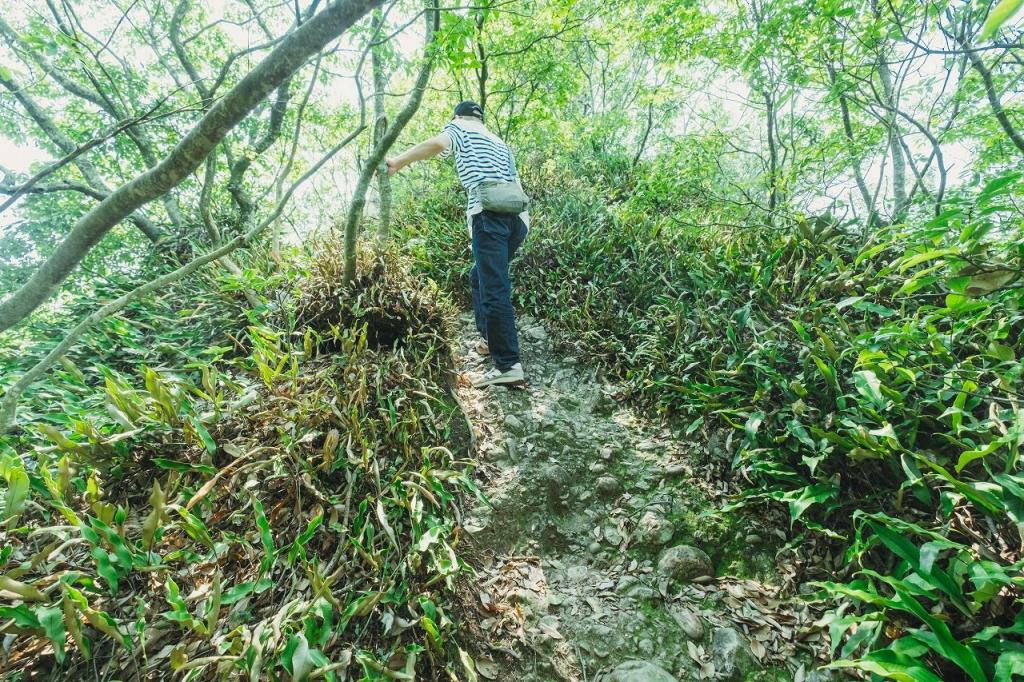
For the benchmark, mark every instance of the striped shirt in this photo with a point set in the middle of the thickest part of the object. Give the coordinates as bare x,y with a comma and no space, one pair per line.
480,156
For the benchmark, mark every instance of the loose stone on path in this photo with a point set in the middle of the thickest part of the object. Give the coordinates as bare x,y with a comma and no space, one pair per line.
684,563
638,671
731,654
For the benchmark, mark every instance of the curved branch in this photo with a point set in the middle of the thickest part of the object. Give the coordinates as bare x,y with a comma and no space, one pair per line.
8,405
27,188
277,67
995,102
70,149
242,164
93,191
14,40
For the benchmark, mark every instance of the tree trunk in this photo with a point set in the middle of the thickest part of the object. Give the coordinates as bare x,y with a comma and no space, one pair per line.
994,100
773,152
380,127
290,54
355,210
643,140
858,173
482,71
899,167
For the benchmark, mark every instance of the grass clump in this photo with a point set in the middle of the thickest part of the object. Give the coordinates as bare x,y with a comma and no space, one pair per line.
864,385
288,511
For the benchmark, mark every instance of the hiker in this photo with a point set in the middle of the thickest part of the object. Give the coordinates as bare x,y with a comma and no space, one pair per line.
498,223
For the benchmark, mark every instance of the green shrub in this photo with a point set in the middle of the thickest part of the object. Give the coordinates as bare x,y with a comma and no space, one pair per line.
288,506
871,388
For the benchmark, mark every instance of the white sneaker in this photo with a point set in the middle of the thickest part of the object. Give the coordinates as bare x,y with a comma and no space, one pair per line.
512,375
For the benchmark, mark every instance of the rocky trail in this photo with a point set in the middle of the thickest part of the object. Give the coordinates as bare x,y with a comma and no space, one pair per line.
600,552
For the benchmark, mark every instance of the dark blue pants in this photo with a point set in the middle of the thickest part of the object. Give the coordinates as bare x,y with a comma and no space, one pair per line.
496,237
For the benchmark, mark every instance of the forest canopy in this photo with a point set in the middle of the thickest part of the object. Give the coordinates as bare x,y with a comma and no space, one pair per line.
231,437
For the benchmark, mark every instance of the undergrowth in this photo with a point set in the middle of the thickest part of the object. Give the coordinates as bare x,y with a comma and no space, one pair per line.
281,505
870,384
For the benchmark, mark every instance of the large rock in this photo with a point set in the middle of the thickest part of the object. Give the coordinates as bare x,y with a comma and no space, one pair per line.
630,586
608,486
555,482
653,529
537,333
513,422
638,671
731,654
688,621
684,562
600,640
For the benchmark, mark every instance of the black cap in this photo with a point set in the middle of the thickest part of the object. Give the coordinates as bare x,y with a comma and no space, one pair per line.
469,108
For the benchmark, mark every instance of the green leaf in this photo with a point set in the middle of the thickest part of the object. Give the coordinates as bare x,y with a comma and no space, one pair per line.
977,495
105,568
906,550
999,15
164,463
1010,663
827,372
428,538
208,442
299,545
869,386
919,258
938,638
179,612
891,666
1002,352
195,528
752,425
233,594
265,536
52,620
12,503
23,616
971,455
809,495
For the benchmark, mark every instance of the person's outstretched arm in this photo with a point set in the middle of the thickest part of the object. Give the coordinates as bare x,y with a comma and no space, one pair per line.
424,150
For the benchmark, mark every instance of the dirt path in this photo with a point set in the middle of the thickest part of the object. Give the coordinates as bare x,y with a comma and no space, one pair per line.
602,557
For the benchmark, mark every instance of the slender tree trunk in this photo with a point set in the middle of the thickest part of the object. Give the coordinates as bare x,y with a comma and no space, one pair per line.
647,133
899,171
482,71
355,210
212,232
380,127
858,172
240,166
994,101
290,54
899,167
773,152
